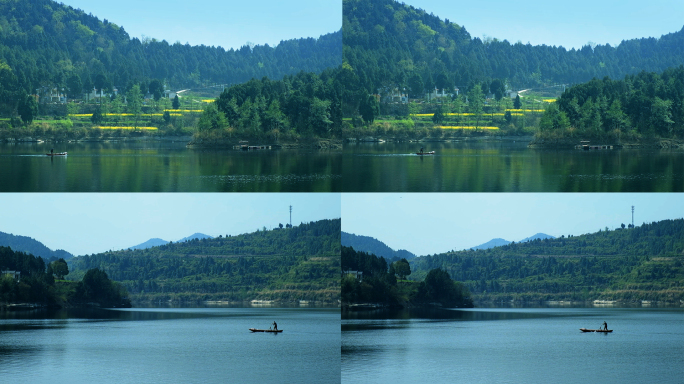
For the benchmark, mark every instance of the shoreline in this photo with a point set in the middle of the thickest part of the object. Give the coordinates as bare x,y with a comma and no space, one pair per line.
323,144
393,139
320,144
533,142
566,143
363,307
97,139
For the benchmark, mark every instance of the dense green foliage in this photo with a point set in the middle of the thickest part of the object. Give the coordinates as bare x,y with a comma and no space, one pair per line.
97,287
287,264
59,268
439,288
642,263
648,104
371,245
49,44
378,283
37,285
305,104
32,246
34,285
389,44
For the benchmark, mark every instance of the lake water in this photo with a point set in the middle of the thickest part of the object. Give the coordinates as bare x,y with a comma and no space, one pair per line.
514,346
171,346
507,166
164,167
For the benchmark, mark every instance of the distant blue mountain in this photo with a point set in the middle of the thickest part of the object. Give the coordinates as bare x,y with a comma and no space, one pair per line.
498,242
150,243
157,242
540,236
195,236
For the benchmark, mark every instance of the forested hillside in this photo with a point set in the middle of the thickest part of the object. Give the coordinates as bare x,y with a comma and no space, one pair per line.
273,111
284,264
374,246
383,283
389,44
32,246
630,264
46,43
27,280
646,104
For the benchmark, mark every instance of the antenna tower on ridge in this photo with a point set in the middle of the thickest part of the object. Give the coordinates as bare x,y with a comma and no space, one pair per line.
291,216
632,216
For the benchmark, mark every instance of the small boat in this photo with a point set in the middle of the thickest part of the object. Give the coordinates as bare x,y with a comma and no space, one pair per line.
56,154
425,153
266,330
596,330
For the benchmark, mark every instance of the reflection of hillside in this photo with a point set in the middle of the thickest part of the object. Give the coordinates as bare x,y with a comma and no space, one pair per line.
155,167
499,166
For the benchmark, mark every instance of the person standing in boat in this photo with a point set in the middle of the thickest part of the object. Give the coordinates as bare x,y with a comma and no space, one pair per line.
605,326
275,326
421,149
52,150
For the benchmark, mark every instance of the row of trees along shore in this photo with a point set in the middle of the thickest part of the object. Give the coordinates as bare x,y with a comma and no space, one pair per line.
29,280
301,106
646,105
378,283
625,264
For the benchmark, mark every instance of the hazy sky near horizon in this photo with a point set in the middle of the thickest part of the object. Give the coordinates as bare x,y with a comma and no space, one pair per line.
229,24
570,24
439,222
85,223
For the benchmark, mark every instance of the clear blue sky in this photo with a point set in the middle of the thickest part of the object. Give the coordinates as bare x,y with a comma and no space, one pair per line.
229,24
567,23
433,223
97,222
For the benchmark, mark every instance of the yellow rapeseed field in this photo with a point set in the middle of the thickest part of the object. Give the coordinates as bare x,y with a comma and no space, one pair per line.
524,110
183,110
468,127
172,112
130,128
514,112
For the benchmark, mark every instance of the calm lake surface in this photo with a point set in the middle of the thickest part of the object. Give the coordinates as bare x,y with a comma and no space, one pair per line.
164,167
171,346
507,166
514,346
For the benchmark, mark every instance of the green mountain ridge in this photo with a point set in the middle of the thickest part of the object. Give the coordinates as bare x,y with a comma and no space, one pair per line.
374,246
32,246
388,44
633,264
45,43
283,264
